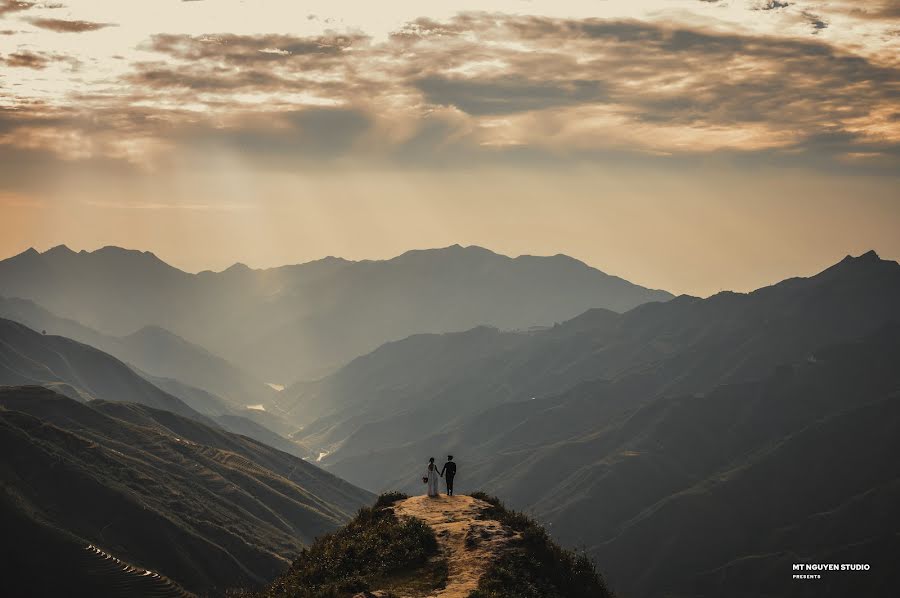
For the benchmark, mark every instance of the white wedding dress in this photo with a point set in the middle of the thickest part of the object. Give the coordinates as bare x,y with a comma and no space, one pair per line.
432,476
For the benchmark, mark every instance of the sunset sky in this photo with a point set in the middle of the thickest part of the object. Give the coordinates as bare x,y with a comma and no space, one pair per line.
691,145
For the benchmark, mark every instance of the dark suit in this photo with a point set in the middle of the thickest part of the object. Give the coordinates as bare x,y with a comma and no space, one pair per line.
449,472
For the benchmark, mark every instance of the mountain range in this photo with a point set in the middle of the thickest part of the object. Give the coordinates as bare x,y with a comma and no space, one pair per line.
689,445
430,384
298,322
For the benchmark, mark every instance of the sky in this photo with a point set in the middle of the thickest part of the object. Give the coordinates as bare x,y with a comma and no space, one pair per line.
691,145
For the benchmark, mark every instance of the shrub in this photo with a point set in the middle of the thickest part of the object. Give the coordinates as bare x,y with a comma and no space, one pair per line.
536,566
389,498
376,544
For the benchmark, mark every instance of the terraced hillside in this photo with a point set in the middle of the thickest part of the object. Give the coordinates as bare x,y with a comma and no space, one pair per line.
124,579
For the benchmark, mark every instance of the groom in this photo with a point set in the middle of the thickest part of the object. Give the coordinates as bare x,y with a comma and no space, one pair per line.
449,469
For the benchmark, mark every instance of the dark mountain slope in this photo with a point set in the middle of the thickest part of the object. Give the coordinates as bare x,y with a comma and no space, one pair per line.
140,481
297,322
683,494
50,562
807,498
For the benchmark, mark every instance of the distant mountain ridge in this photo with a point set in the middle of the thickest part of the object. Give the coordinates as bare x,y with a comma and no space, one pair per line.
297,322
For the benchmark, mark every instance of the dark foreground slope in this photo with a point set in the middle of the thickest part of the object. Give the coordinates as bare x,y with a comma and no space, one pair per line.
205,508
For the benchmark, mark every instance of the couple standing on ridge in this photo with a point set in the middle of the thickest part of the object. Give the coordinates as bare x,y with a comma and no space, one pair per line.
431,476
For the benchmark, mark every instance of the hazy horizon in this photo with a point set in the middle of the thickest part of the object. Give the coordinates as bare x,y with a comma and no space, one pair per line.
815,268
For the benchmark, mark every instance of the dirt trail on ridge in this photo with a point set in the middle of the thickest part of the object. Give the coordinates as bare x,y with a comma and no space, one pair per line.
454,519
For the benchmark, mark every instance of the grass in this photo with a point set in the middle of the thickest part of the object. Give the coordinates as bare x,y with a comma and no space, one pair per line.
536,566
376,550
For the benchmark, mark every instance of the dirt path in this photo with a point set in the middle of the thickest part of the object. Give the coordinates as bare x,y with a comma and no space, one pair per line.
455,518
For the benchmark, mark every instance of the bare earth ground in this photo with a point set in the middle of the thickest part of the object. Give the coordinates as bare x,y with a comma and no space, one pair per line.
454,519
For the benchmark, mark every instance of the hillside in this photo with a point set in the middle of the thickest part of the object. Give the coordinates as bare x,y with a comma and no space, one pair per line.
727,474
78,371
84,373
298,322
444,547
152,350
796,467
139,481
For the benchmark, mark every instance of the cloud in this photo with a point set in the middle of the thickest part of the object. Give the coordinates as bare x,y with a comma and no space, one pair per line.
886,10
64,26
280,140
11,6
37,60
482,87
508,94
772,5
244,49
162,76
25,59
815,22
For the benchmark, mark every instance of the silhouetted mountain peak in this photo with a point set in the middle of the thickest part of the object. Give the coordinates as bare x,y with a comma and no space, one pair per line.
121,251
104,255
59,250
29,253
452,251
237,268
862,264
869,257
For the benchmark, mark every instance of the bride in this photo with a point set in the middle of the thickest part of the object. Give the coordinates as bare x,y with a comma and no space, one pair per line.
431,478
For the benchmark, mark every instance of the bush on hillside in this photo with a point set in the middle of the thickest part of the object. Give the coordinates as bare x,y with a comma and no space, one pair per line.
536,566
375,545
389,498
